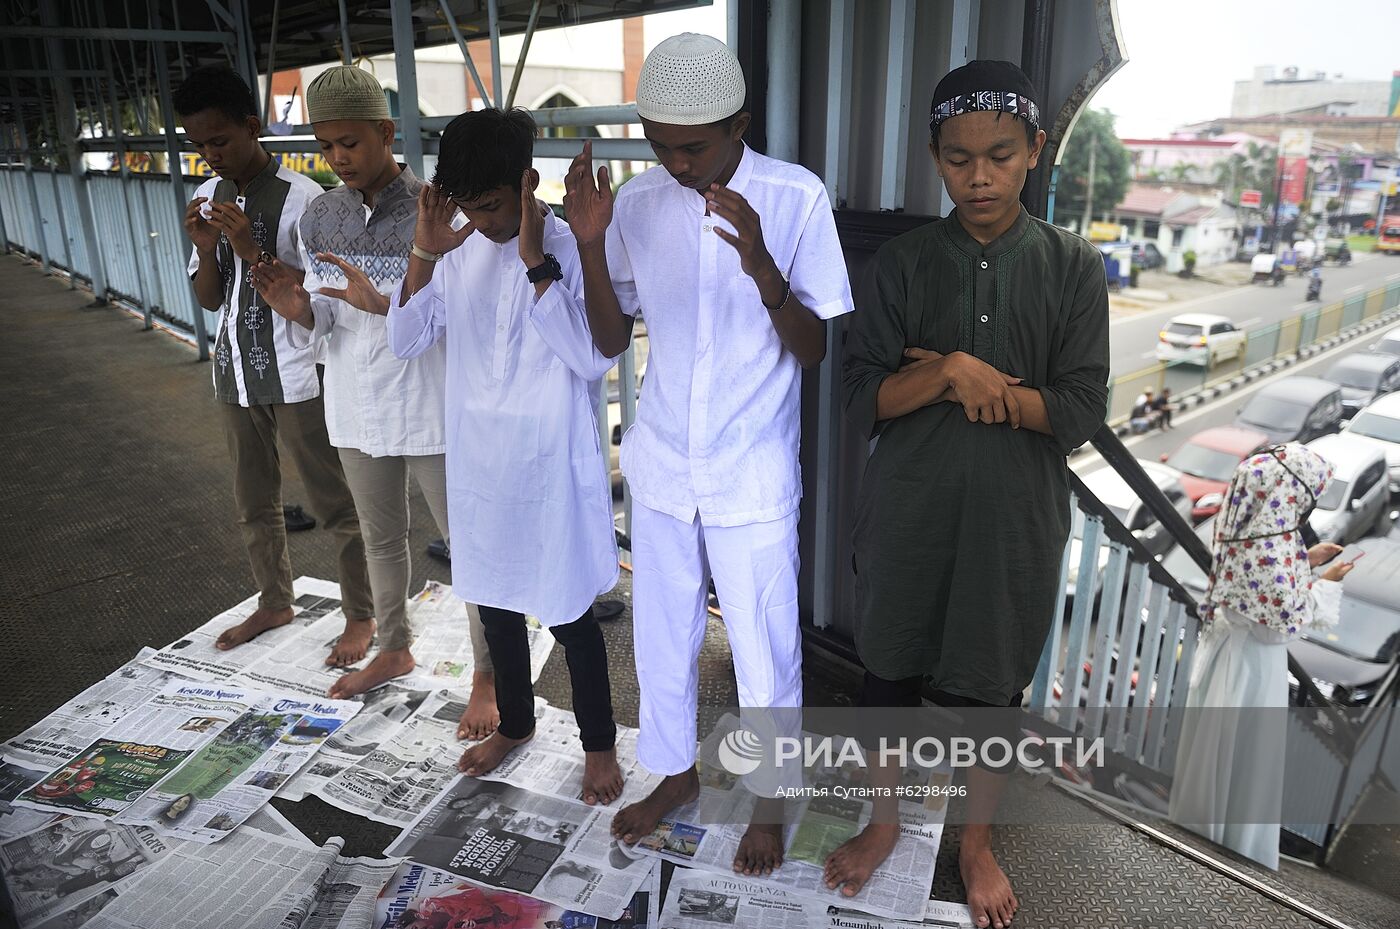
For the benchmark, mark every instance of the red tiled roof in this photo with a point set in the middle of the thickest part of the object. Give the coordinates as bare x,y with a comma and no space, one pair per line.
1189,217
1185,143
1146,200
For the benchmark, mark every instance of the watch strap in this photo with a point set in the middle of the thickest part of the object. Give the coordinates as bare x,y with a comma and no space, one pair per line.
425,254
548,271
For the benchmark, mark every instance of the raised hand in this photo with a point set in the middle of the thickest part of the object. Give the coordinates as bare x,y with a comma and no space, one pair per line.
204,235
588,206
359,291
531,238
280,288
747,237
230,219
434,232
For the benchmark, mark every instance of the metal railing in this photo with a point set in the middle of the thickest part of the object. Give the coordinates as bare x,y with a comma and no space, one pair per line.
1262,344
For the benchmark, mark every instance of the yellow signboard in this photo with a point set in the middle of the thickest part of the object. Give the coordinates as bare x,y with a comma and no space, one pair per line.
1105,232
194,166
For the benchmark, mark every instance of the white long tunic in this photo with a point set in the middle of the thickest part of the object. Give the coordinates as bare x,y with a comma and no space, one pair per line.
1230,766
528,496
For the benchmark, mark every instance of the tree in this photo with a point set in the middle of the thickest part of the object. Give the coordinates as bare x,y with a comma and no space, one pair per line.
1254,169
1112,165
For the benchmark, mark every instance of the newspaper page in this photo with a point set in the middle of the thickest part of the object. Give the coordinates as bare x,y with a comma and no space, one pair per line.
195,656
552,761
382,714
194,762
270,821
706,833
704,900
344,897
15,821
250,880
70,861
67,730
140,750
442,641
502,837
241,768
938,914
420,896
394,782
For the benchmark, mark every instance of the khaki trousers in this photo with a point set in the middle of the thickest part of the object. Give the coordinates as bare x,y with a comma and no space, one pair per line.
380,489
253,434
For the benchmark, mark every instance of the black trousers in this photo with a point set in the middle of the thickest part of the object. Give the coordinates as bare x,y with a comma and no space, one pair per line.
908,692
586,657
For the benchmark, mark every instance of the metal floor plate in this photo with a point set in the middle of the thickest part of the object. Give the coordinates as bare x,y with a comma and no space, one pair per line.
119,533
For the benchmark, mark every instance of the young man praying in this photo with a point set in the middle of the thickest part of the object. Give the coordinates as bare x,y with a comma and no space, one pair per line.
733,260
527,490
980,361
384,414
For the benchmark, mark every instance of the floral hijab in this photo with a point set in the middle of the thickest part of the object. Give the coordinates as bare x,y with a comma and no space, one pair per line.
1261,562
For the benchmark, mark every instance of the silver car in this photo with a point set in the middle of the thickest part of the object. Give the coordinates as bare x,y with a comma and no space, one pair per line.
1357,499
1364,377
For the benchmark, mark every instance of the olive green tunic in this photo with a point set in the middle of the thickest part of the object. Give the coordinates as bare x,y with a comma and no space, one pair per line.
960,527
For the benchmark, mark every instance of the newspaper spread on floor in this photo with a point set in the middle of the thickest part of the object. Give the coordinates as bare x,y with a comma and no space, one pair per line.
195,655
253,879
705,900
419,896
552,761
292,658
193,762
65,732
16,821
395,781
384,711
705,834
71,861
500,836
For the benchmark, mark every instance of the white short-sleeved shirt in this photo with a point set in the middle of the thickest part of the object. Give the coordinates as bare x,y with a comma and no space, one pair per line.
527,489
255,361
376,402
718,421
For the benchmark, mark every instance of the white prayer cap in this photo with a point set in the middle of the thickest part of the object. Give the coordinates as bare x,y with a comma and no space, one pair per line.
690,80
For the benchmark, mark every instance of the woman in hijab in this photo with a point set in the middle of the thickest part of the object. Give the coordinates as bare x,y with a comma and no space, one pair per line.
1228,784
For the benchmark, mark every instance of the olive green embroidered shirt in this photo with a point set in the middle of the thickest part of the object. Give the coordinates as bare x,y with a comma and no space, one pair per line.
961,526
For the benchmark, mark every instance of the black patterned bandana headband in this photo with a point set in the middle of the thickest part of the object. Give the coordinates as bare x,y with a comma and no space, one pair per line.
1002,101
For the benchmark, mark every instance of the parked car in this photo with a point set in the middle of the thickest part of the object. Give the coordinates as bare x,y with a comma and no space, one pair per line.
1147,255
1294,409
1389,343
1200,338
1379,424
1357,498
1208,460
1363,377
1113,492
1349,660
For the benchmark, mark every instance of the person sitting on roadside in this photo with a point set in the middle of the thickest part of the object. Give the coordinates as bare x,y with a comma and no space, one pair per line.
1160,410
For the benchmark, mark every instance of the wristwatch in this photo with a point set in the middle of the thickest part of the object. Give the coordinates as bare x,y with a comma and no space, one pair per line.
425,254
549,271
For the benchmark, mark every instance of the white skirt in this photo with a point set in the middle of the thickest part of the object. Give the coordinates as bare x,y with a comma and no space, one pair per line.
1229,766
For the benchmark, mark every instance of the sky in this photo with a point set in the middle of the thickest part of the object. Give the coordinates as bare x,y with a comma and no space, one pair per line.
1184,56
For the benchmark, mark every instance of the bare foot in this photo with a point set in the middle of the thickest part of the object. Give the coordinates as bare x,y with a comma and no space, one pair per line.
989,893
254,626
353,643
851,865
761,848
637,820
483,757
602,778
385,667
481,717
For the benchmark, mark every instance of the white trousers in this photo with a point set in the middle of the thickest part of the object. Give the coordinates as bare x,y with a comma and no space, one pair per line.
755,573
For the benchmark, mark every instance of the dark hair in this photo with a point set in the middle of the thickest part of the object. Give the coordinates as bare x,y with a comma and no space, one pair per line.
1030,130
216,87
484,149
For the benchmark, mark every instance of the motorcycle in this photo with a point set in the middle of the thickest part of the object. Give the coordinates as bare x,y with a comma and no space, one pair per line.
1314,288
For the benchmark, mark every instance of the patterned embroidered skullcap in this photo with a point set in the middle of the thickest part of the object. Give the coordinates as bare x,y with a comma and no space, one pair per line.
984,84
346,92
690,80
